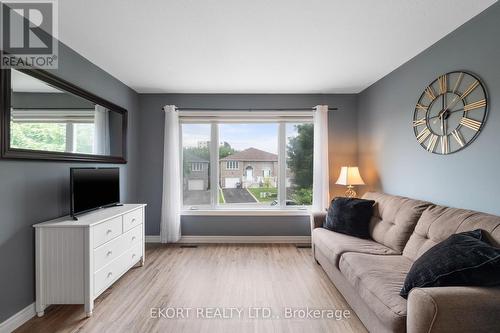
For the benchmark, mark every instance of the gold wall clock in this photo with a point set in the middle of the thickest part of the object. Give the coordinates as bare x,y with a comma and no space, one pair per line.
450,113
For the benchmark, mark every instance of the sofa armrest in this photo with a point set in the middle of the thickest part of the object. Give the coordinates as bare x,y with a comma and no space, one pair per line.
317,219
453,309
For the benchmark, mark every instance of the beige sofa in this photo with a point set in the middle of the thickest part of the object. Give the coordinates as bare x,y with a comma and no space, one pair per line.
370,273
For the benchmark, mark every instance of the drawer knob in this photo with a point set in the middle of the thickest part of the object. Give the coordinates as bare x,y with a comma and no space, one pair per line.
110,274
109,253
133,220
109,231
133,238
133,255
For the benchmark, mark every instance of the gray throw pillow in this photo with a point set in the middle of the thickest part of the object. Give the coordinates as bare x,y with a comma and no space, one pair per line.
464,259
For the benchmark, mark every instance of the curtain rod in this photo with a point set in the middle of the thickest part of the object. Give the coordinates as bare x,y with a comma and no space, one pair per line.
250,109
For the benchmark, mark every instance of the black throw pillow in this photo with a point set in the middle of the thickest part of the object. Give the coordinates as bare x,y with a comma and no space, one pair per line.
350,216
464,259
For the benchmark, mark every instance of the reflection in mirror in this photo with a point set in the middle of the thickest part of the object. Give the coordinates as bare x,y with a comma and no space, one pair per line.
45,118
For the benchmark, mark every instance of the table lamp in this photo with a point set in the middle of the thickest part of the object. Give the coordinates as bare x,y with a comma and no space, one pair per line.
349,176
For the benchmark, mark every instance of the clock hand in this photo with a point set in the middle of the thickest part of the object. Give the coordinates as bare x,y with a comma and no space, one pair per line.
442,112
453,103
462,109
442,124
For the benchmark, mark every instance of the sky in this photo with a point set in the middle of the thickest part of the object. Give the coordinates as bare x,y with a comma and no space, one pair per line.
263,136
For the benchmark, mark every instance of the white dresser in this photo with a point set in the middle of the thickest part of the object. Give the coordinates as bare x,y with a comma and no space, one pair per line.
77,260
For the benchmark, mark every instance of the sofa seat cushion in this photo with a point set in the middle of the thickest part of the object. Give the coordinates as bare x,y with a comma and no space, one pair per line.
335,244
378,281
394,218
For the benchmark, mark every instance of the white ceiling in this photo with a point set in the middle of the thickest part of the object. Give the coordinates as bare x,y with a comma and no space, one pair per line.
256,46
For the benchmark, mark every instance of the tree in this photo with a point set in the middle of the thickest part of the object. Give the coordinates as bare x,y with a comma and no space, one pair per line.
38,136
300,163
300,155
225,150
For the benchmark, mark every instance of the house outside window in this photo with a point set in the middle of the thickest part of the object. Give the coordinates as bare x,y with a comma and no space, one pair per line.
255,162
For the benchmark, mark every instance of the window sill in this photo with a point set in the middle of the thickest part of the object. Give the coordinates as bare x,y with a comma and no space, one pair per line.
247,212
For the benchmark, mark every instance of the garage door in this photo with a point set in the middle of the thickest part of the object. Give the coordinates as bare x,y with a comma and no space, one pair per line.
195,185
231,182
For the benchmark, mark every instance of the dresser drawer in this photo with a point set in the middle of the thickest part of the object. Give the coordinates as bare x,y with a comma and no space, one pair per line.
104,277
111,250
135,254
132,219
108,230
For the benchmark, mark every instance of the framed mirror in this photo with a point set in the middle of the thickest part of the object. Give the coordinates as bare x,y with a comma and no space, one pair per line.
46,118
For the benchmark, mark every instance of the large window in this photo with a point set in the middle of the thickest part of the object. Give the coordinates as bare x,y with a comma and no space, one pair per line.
255,165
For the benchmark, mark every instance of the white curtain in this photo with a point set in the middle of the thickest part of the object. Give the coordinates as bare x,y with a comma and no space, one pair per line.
321,179
171,200
101,131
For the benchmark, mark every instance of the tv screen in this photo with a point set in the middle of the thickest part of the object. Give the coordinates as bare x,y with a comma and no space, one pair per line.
94,188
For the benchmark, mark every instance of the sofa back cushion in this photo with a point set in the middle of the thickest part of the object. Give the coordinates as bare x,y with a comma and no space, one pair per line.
437,223
394,218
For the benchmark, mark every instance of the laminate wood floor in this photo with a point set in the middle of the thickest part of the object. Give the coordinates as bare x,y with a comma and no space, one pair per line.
211,280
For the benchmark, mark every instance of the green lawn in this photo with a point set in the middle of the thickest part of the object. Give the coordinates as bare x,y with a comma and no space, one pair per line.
221,197
272,193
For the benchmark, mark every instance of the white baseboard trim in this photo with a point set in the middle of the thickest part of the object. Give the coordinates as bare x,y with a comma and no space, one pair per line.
237,239
18,319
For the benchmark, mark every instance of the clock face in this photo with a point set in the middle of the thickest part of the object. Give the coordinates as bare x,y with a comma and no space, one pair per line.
450,113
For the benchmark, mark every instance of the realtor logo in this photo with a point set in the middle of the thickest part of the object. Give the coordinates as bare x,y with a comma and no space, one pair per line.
29,34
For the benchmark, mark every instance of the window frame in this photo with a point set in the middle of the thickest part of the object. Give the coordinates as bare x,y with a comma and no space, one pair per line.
215,207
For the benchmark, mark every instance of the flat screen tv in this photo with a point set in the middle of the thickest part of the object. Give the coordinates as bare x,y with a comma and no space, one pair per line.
94,188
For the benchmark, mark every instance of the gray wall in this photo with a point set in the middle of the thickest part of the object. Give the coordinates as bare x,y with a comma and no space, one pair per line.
30,100
245,225
342,139
389,155
35,191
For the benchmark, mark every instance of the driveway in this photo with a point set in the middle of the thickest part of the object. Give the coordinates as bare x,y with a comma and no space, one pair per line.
237,195
197,197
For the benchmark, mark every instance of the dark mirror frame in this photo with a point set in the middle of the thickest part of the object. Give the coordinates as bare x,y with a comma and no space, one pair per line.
15,153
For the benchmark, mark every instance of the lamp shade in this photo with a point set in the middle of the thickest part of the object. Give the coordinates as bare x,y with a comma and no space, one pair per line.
350,176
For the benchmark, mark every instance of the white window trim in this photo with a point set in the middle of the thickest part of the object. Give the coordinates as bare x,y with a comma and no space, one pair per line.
303,211
235,209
